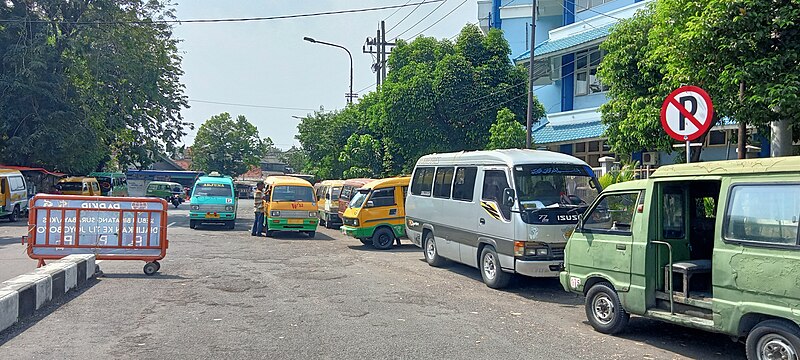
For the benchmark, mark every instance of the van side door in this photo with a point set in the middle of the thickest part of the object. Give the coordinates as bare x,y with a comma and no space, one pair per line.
603,243
494,219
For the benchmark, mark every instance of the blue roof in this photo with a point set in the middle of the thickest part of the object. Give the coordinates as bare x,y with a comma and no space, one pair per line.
551,46
547,133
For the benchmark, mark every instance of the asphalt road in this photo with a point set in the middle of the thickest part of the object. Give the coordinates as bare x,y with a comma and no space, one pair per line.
13,258
227,294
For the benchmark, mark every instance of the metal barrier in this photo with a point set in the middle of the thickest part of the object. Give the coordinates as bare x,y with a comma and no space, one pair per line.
111,228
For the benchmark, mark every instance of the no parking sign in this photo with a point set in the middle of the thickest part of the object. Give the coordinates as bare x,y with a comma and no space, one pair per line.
687,113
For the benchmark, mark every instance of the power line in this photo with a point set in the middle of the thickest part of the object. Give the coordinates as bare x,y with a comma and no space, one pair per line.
251,105
421,20
249,19
394,12
407,15
442,18
367,87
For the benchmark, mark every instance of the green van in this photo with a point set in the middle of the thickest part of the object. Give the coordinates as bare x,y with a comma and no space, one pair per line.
111,183
213,201
712,246
172,192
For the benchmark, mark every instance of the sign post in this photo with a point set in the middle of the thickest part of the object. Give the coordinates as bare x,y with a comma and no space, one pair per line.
686,115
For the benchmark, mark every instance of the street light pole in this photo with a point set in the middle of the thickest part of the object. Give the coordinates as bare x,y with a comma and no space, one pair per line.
349,95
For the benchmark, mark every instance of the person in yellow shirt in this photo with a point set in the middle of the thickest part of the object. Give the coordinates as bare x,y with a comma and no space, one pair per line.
258,209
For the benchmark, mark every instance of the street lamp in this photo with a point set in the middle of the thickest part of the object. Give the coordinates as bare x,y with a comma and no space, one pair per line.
349,95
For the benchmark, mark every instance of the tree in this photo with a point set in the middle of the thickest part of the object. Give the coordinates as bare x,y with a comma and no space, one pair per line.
228,146
86,94
506,132
718,45
295,158
364,156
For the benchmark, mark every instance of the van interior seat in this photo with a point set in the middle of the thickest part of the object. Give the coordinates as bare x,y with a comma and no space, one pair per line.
692,265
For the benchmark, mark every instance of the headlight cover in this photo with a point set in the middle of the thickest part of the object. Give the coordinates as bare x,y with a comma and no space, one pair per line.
229,208
195,207
274,213
312,214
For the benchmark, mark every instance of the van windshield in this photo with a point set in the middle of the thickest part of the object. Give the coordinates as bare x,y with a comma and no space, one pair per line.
358,199
554,186
293,193
210,189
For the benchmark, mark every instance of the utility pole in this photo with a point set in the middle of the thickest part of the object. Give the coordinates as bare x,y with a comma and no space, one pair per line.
529,131
380,44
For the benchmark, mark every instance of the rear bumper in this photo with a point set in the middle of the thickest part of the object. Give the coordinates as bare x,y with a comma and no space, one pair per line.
280,224
538,268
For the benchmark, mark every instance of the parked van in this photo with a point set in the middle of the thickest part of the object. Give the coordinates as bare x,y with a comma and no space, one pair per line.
502,211
213,201
328,202
79,185
172,192
712,246
111,183
376,212
348,190
290,205
13,194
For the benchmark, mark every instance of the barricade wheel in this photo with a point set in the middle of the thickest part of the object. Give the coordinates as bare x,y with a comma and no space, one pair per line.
150,268
158,265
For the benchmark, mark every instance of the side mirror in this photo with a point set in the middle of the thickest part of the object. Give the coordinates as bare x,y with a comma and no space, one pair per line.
579,226
509,195
327,196
370,203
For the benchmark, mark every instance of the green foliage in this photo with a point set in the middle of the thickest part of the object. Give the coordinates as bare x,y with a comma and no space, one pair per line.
439,96
618,175
295,158
228,146
506,132
715,44
86,95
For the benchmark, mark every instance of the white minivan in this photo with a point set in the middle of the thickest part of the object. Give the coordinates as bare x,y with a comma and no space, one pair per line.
13,194
502,211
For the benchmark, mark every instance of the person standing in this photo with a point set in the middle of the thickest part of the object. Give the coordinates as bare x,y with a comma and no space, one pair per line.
258,209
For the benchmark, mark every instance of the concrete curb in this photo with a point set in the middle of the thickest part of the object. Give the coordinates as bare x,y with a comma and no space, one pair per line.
24,294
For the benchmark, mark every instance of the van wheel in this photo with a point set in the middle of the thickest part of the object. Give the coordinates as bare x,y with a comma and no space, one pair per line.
14,215
311,234
192,224
323,222
431,254
773,339
491,272
603,309
230,224
383,239
366,242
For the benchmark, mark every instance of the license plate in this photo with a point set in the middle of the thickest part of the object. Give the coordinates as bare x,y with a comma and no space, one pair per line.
212,216
295,221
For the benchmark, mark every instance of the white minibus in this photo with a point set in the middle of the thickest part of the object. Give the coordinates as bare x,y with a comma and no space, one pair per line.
502,211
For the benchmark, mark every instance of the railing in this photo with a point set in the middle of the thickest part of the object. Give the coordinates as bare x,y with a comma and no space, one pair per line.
669,286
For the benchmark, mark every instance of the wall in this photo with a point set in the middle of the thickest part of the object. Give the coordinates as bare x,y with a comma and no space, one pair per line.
589,101
616,4
515,33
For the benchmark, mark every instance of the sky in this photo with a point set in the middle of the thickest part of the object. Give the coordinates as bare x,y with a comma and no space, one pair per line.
267,63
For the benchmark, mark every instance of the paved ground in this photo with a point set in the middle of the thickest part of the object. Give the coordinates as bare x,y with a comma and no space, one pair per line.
13,259
227,294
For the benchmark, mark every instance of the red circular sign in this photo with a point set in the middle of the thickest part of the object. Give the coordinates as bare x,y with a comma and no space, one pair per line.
687,113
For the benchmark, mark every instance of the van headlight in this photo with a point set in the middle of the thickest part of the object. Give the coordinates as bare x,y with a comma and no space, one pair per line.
355,222
312,214
274,213
229,208
536,251
195,207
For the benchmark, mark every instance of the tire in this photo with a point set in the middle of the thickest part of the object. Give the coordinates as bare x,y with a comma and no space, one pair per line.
269,233
383,239
192,224
604,310
491,272
778,338
323,222
150,269
158,265
430,251
14,215
311,234
176,203
366,242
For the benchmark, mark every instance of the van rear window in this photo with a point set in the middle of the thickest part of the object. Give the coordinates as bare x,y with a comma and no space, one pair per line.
423,181
70,186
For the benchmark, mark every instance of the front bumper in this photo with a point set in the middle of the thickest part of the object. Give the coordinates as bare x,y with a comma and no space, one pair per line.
283,224
538,268
211,216
333,217
357,232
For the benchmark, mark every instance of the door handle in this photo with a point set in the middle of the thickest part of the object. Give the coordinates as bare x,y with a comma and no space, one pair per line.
483,221
621,247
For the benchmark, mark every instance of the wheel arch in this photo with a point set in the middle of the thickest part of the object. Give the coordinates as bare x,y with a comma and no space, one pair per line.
595,279
482,243
750,320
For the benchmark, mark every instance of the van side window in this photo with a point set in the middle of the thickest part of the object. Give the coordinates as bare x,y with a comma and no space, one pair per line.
494,182
423,181
444,182
464,183
382,197
672,213
613,214
763,213
16,183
